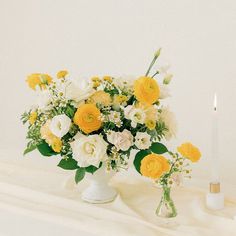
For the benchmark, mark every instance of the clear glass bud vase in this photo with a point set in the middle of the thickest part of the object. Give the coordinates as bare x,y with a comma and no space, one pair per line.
166,207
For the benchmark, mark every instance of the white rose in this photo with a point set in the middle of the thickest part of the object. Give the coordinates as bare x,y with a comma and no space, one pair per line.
60,125
164,91
43,99
122,140
78,91
89,150
168,118
142,140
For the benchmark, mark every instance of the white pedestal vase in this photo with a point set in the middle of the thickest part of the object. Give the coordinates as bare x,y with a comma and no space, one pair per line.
98,190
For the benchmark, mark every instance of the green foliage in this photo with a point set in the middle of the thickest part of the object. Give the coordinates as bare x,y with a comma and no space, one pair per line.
30,148
139,157
79,174
91,169
158,148
70,111
68,164
25,117
45,149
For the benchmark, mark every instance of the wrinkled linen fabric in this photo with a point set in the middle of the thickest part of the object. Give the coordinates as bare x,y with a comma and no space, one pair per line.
45,201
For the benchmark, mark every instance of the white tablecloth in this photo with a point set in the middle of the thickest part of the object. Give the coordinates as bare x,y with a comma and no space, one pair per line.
44,201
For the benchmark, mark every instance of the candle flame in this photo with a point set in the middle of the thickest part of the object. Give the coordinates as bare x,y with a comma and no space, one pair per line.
215,102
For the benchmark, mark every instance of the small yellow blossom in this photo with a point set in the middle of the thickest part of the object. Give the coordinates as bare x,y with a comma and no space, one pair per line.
62,74
41,80
107,78
33,116
50,138
150,124
120,98
56,144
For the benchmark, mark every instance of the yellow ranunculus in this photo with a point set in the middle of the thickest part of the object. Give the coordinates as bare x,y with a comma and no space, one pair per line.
100,97
40,80
189,151
107,78
150,124
50,138
87,117
154,166
62,74
146,90
119,99
33,117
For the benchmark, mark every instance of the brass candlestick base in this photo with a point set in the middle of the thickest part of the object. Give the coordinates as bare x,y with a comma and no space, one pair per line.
215,199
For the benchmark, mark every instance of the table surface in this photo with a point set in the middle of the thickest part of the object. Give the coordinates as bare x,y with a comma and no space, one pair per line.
36,200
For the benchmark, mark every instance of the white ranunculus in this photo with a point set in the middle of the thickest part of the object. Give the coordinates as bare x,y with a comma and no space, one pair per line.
43,99
142,140
168,118
122,140
164,91
89,150
78,91
60,125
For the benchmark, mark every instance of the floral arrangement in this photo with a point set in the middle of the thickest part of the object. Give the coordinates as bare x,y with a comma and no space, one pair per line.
99,122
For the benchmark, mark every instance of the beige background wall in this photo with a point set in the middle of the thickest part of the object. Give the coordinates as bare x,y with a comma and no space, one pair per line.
119,37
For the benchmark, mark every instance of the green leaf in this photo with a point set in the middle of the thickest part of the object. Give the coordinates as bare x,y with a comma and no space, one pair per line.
139,157
79,174
45,149
91,169
158,148
70,111
68,164
29,149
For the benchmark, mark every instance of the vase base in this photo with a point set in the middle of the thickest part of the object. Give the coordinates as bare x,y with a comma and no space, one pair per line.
99,195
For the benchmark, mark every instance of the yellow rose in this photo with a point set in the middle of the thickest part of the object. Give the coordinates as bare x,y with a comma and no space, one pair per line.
40,80
107,78
87,117
100,97
154,166
50,138
189,151
33,117
62,74
146,90
119,99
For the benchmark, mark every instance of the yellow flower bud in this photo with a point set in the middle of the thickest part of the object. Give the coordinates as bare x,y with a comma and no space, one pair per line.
33,117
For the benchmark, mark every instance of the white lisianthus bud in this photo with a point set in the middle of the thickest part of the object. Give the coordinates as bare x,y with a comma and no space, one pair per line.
157,53
164,91
167,79
60,125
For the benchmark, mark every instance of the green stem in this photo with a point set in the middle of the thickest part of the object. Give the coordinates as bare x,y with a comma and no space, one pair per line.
155,74
151,65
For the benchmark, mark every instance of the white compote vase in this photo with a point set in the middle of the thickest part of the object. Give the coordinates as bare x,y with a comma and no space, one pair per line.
99,190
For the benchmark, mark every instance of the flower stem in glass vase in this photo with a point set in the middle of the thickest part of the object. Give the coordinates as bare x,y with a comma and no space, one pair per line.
166,207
